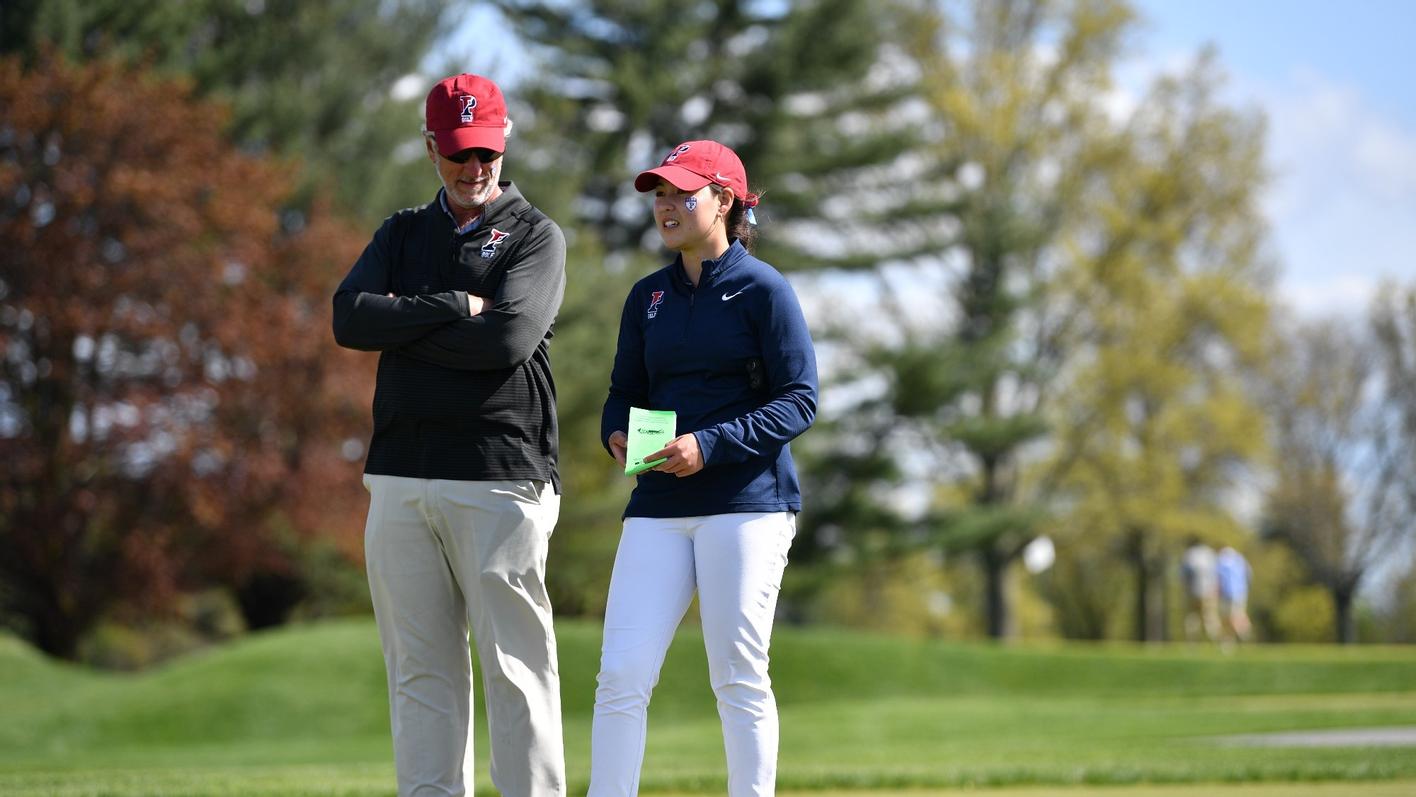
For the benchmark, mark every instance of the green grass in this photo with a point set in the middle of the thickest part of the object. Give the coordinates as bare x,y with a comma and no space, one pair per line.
303,711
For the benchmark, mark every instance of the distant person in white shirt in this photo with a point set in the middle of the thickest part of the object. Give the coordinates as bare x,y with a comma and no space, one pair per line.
1197,568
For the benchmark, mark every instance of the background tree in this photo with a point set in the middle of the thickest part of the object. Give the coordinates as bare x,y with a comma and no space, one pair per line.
1398,614
613,88
1082,586
167,384
957,375
1156,421
1394,325
1341,497
975,343
332,89
310,81
623,83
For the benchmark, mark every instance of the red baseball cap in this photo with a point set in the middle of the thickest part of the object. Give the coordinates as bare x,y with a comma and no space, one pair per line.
466,111
694,164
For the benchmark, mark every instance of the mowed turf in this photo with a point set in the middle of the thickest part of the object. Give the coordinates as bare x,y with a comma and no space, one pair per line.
302,711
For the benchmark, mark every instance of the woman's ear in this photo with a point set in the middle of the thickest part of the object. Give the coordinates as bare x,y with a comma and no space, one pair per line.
725,200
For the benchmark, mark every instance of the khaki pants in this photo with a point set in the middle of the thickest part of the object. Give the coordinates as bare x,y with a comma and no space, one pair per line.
443,555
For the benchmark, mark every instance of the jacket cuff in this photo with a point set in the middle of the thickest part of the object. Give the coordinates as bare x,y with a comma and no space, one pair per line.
707,440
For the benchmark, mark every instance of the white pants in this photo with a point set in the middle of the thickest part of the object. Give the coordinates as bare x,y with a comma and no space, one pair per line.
443,555
735,562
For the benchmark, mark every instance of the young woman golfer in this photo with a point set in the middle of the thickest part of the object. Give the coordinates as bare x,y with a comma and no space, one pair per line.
718,337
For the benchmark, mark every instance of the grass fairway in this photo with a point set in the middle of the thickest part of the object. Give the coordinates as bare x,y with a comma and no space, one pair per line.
302,711
1379,789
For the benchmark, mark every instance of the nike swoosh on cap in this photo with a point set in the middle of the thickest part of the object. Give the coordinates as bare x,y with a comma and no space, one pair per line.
719,177
727,296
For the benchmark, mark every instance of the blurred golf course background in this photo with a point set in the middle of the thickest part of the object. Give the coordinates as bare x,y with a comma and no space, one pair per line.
1037,263
302,711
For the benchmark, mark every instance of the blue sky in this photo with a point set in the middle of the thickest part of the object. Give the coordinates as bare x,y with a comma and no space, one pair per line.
1337,81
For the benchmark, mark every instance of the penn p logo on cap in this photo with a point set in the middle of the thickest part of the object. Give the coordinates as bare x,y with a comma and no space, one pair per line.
466,111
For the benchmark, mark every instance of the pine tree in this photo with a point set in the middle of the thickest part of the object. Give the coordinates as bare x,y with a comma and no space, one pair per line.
618,84
968,338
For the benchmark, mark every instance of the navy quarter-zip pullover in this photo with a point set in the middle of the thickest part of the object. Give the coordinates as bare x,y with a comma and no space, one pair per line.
734,359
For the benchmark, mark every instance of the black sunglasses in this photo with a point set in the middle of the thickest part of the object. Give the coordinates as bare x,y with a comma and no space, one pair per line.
483,155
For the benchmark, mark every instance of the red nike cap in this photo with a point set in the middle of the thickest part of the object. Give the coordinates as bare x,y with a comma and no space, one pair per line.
694,164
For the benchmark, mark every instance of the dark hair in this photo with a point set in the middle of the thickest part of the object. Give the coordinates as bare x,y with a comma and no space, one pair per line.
737,225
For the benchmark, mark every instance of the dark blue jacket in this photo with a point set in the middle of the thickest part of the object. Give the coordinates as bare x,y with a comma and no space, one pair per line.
734,359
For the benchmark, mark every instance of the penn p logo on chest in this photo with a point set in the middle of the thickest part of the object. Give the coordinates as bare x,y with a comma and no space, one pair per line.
655,299
489,249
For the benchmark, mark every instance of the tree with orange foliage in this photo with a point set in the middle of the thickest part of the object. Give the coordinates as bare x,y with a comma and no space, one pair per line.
169,398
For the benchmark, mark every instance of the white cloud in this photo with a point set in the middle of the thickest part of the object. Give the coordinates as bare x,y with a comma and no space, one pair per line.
1343,295
408,87
1343,200
1388,156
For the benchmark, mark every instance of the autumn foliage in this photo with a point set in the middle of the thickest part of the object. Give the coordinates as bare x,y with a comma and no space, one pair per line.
173,411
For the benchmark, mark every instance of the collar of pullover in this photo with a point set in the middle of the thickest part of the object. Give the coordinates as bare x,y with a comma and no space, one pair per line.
504,205
711,269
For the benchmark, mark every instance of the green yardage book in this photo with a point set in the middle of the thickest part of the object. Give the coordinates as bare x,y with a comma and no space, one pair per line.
649,431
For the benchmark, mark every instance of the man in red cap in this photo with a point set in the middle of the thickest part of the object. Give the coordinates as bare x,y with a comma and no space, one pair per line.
459,296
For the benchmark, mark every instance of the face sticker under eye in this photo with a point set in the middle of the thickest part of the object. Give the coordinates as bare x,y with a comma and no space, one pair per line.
690,203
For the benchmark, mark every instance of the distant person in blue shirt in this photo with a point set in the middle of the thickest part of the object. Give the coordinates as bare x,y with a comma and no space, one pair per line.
1233,573
718,337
